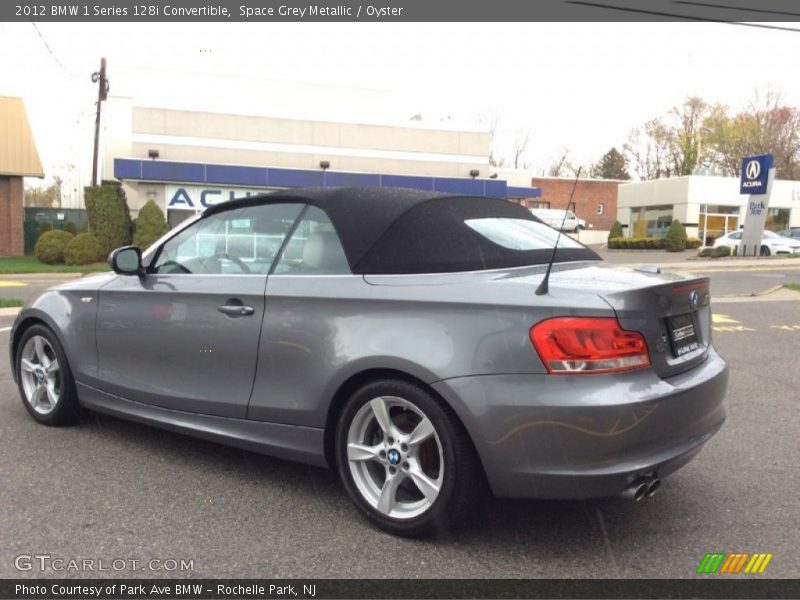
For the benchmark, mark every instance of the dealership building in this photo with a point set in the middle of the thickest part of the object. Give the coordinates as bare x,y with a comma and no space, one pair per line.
188,160
709,206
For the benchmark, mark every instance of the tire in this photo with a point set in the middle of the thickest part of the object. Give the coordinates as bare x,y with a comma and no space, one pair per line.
765,251
46,384
371,455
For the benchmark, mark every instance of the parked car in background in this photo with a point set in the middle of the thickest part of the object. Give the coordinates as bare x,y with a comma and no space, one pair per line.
792,232
404,339
771,243
556,217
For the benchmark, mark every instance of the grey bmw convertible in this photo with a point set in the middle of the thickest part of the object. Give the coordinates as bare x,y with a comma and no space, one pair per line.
425,346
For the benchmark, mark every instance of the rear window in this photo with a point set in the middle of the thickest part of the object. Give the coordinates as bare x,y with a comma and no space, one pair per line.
519,234
450,234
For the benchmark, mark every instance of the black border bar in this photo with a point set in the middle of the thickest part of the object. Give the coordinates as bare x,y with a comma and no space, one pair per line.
711,586
755,13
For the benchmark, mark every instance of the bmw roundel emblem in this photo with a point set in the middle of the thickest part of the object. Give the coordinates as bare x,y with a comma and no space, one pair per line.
393,456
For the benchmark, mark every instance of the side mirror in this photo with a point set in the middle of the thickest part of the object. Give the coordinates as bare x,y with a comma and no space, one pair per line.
126,261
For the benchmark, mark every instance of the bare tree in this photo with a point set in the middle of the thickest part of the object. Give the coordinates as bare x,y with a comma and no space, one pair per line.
521,138
649,150
561,164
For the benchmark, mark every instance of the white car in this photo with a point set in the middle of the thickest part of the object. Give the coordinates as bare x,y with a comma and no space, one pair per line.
555,217
771,243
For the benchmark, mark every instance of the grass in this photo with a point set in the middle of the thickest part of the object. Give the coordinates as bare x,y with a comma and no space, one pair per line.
28,264
10,302
793,286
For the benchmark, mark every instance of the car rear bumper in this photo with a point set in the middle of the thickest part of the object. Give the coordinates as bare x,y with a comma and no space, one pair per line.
582,436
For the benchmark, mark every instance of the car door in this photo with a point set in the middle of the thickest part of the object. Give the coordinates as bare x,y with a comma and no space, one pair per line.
185,335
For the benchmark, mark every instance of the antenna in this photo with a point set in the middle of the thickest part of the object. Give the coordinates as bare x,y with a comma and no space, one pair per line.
543,287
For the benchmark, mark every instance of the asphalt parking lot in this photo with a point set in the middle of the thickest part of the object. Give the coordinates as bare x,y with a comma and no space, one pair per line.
109,489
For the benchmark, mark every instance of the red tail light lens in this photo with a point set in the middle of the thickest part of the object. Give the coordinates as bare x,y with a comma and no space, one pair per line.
581,345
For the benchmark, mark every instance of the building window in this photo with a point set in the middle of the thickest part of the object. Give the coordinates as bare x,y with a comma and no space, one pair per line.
600,208
777,219
716,220
651,221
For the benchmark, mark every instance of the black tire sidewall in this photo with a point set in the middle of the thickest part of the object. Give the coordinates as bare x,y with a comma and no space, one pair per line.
435,518
66,410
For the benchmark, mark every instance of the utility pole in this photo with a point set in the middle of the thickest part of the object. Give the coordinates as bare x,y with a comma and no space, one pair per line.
98,77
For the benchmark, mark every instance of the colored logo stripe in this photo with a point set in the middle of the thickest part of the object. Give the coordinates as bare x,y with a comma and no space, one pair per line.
733,563
711,562
758,563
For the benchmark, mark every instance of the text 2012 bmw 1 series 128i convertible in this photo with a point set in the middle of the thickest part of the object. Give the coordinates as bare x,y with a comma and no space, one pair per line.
397,337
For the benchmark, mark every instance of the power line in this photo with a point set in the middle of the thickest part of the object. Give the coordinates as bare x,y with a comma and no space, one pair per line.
658,13
742,8
53,54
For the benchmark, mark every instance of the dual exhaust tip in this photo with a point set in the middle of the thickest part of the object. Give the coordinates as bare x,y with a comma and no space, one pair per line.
644,487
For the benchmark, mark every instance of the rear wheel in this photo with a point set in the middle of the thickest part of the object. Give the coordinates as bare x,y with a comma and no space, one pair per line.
45,379
405,459
765,251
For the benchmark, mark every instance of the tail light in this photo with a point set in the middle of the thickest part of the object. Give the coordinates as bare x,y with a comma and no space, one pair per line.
579,345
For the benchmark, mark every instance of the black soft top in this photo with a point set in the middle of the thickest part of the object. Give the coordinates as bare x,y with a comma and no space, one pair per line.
401,231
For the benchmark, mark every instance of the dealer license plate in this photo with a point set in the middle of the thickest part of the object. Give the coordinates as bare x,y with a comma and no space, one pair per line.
682,334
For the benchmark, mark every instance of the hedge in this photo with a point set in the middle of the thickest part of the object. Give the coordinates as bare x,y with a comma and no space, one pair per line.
715,252
49,248
648,243
645,243
108,215
82,250
150,225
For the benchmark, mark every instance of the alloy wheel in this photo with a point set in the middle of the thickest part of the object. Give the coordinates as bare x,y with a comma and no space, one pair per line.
395,457
40,374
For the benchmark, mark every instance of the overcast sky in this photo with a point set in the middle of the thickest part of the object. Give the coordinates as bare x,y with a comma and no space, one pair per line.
582,86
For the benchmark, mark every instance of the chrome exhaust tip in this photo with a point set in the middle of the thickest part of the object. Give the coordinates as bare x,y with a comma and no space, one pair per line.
637,490
653,487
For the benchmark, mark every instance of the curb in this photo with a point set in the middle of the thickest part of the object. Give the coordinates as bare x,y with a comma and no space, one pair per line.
10,312
765,292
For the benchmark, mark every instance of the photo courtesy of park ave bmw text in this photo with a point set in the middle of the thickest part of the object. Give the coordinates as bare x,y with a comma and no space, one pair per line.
399,300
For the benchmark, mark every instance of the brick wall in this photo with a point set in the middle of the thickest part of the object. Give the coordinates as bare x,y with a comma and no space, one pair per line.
12,237
588,195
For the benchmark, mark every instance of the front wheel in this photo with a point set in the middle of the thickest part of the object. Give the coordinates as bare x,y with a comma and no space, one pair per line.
765,251
45,379
405,459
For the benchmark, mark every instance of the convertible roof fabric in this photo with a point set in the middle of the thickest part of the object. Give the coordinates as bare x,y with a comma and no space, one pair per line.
400,231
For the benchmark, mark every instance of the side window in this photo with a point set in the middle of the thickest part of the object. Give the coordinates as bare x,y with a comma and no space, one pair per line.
736,236
240,241
314,248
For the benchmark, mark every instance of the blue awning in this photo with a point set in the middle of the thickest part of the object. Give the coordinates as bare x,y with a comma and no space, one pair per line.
133,169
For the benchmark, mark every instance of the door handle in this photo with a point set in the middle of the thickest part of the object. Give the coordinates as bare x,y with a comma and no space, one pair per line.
234,310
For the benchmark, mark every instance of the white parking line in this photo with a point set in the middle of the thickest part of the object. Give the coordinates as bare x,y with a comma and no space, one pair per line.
5,329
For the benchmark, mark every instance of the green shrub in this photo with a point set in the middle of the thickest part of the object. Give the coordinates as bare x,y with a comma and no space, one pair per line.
705,252
693,243
71,228
44,227
616,231
675,240
107,212
150,225
50,246
720,251
82,250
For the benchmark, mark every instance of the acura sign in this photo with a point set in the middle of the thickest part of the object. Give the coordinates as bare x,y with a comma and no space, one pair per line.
756,180
754,174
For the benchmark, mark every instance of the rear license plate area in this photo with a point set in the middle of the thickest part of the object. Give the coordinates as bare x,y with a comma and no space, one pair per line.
682,334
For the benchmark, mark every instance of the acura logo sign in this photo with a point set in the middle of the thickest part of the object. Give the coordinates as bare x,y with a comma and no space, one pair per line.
753,169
